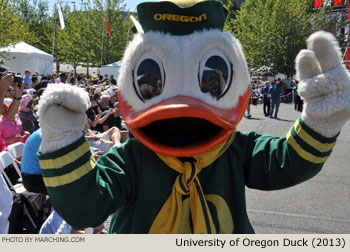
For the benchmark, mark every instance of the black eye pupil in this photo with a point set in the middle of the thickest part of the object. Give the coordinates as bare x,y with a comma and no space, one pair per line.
149,79
214,77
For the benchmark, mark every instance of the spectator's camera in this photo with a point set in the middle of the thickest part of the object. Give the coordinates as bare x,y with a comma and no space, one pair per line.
16,78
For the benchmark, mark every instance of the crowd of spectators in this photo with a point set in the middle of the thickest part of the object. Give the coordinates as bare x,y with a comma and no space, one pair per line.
271,94
19,123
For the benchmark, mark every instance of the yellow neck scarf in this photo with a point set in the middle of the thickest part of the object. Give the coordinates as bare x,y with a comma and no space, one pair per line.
168,220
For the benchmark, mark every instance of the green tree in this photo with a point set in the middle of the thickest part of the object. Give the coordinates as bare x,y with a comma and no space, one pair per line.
231,16
11,26
112,47
35,15
73,42
86,41
272,32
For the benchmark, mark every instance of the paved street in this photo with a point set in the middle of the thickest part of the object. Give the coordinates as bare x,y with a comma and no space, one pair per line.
319,205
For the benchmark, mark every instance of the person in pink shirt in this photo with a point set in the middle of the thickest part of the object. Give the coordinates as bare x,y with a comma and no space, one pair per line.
11,130
10,123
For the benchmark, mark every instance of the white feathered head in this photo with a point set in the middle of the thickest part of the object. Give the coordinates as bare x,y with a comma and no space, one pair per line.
183,81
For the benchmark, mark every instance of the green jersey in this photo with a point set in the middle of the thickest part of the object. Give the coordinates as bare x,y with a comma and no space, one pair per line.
133,183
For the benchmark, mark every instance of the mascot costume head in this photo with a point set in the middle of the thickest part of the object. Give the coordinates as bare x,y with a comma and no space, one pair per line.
184,82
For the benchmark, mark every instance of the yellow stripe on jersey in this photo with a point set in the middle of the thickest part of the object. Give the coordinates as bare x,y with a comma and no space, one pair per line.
72,176
66,159
303,153
321,147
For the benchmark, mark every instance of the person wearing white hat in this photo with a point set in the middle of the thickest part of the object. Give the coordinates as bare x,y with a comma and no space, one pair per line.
31,91
112,97
27,115
8,101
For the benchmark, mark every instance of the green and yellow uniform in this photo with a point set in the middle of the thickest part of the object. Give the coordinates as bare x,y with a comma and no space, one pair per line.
133,183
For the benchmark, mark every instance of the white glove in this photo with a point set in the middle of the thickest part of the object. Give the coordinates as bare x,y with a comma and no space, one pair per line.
324,85
62,115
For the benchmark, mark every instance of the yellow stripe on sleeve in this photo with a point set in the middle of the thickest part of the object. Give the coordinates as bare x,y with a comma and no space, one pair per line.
321,147
66,159
302,153
72,176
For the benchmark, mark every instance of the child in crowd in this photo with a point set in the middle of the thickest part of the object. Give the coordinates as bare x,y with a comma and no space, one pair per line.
27,115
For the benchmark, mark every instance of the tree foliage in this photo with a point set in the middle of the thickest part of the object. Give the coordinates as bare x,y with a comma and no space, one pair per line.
86,41
35,14
11,26
118,21
272,32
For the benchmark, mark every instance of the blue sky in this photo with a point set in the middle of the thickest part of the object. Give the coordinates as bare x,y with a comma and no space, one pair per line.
130,4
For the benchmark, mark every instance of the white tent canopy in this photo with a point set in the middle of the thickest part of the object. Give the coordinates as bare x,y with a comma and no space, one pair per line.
112,68
22,56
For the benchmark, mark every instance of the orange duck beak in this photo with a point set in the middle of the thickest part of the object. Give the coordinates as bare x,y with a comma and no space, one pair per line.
183,126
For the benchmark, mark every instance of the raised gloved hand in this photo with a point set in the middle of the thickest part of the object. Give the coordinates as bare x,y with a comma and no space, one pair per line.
62,116
324,85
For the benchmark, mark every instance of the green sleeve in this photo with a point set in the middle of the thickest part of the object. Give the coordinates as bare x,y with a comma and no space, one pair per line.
83,192
275,163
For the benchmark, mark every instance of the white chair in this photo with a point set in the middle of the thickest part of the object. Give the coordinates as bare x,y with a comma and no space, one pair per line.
16,149
6,159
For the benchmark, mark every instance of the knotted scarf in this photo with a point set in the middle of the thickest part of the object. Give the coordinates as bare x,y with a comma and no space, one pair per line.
169,218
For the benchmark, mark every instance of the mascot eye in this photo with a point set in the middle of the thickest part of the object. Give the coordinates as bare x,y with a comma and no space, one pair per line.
215,73
149,77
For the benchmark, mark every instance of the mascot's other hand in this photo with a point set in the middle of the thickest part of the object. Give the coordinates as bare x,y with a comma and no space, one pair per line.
324,85
62,115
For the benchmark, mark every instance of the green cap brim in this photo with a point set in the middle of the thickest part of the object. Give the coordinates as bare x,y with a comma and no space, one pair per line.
170,18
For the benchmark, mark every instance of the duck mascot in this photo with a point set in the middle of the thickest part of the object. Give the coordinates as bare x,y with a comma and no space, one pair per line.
183,89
